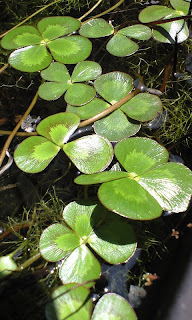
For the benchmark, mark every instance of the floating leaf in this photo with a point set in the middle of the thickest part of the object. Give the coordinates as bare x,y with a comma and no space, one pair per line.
21,37
55,27
113,307
70,50
57,241
79,94
96,28
56,72
85,71
80,266
143,107
116,126
52,90
121,46
34,154
180,5
101,177
154,13
69,302
137,31
113,86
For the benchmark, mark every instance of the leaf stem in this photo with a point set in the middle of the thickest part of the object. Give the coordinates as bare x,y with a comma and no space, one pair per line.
29,261
21,134
110,109
4,67
88,12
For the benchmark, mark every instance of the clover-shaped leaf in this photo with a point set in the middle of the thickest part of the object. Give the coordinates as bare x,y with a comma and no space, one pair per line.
151,184
69,302
90,154
35,47
60,82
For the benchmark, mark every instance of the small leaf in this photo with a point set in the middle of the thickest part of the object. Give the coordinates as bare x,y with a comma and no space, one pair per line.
100,177
7,265
55,27
138,155
137,31
90,154
58,127
70,50
90,109
154,13
30,59
69,302
34,154
56,241
21,37
116,126
113,86
96,28
170,184
56,72
143,107
52,90
85,71
79,94
113,307
121,46
80,266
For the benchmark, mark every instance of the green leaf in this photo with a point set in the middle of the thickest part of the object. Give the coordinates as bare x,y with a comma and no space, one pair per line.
90,109
100,177
30,59
127,198
71,49
137,31
113,307
116,126
143,107
69,302
96,28
170,184
56,72
34,154
54,27
57,241
79,94
90,154
7,265
58,127
52,90
180,5
154,13
116,243
113,86
85,71
121,46
21,37
80,266
138,155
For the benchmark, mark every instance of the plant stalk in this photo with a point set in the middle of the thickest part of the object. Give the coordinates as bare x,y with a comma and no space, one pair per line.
88,12
29,262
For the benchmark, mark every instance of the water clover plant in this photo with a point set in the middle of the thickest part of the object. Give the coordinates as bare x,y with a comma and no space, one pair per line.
147,186
85,224
60,81
89,153
120,124
167,32
120,44
36,47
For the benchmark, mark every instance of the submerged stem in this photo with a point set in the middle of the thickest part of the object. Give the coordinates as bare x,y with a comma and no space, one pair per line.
88,12
29,262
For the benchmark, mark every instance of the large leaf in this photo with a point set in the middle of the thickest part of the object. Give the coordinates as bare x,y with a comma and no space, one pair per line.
143,107
121,46
69,302
138,155
30,59
96,28
21,37
80,266
55,27
70,50
89,154
85,71
113,86
170,184
79,94
57,241
137,31
153,13
113,307
58,127
34,154
116,126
